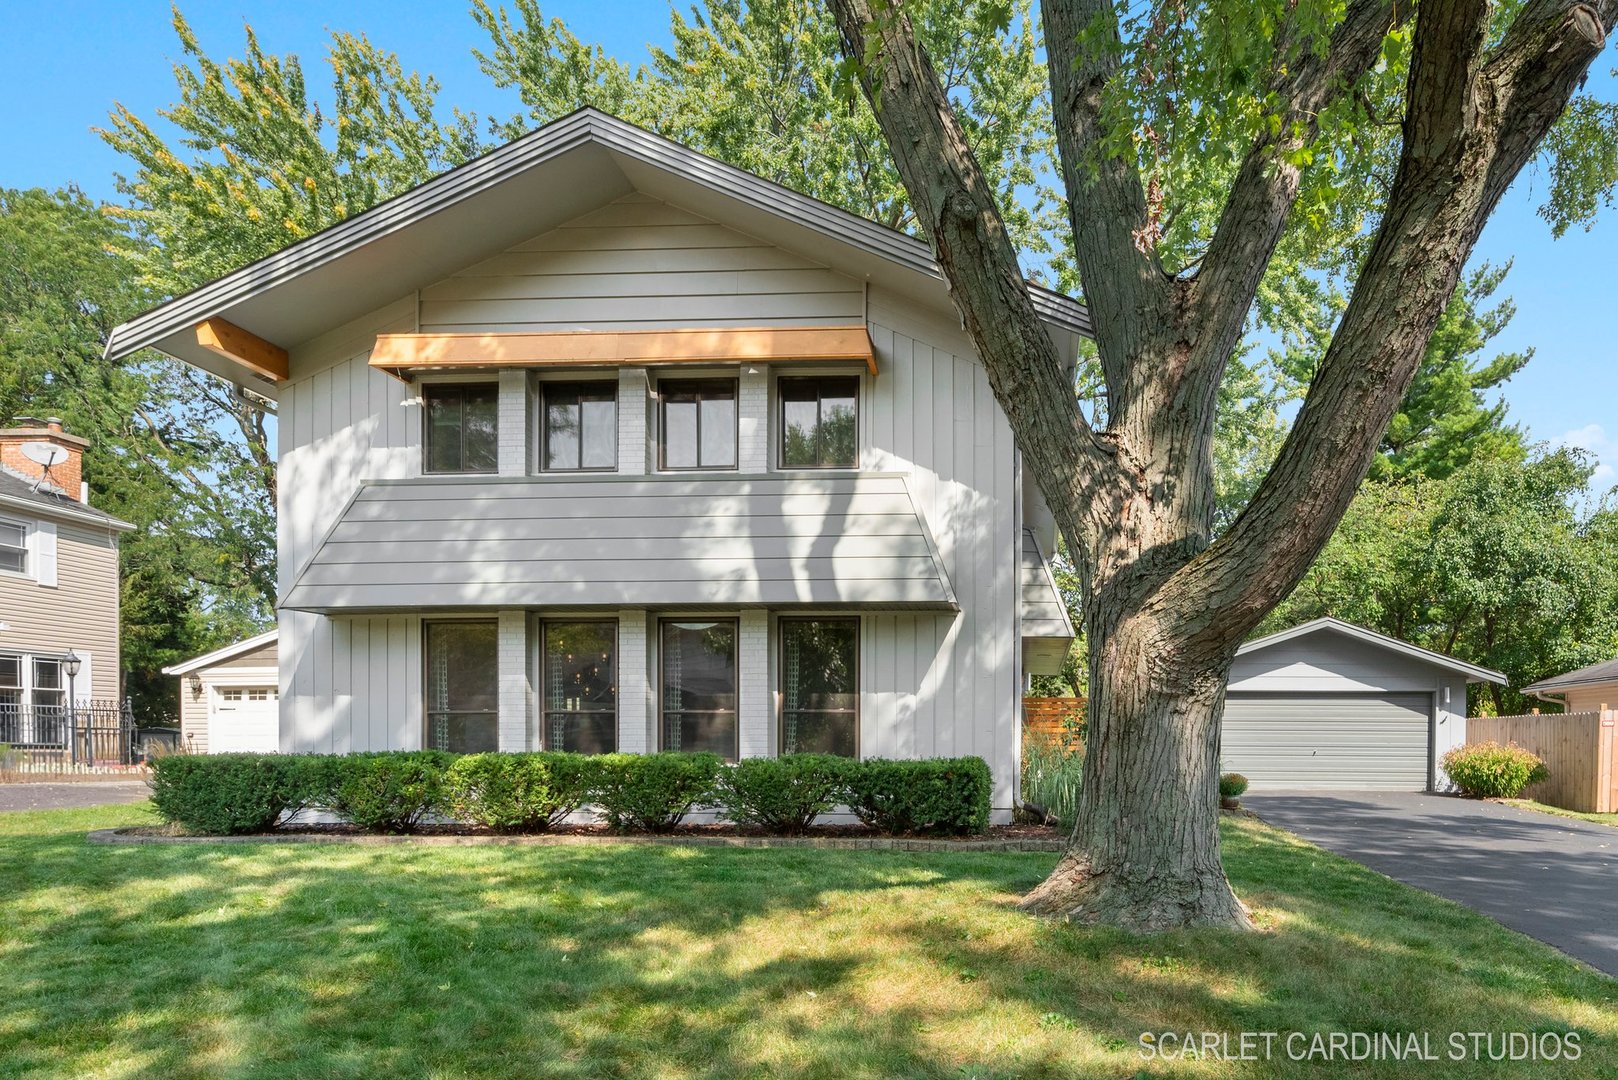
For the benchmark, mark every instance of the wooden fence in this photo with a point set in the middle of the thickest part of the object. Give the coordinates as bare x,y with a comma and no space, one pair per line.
1580,751
1058,718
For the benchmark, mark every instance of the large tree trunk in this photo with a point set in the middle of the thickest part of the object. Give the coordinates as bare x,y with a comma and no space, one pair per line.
1145,852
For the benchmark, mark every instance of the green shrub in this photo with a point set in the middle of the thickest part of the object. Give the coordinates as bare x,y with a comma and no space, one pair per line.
935,795
653,792
783,794
518,792
387,791
1232,785
1052,777
228,794
1491,771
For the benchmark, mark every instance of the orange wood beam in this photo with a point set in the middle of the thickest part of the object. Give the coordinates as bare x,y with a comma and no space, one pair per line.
401,354
245,348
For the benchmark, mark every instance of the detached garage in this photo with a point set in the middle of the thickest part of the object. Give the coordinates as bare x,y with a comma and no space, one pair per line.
230,699
1333,705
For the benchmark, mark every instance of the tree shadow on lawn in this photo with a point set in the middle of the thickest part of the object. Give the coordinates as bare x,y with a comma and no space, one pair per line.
624,961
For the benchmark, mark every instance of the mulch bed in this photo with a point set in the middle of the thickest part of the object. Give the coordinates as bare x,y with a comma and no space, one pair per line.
841,837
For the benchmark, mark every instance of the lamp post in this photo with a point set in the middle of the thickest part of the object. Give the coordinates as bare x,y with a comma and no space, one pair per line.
70,664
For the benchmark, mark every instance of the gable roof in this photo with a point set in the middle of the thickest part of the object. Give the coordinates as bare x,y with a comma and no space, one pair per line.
522,189
1327,624
1604,672
24,496
1043,613
223,655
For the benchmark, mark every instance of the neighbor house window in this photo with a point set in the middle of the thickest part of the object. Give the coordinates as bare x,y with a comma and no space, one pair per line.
819,422
579,427
462,428
50,686
463,680
13,547
697,425
699,686
578,671
10,687
820,694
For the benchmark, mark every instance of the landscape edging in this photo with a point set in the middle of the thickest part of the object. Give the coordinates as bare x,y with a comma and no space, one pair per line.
837,843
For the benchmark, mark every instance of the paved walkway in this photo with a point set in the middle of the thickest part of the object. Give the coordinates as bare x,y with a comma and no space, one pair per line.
64,796
1552,878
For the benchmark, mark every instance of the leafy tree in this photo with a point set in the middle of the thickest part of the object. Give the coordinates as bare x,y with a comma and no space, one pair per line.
761,85
1493,565
1224,166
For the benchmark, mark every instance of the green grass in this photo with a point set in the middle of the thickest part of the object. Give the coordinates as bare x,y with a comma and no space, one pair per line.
270,960
1546,808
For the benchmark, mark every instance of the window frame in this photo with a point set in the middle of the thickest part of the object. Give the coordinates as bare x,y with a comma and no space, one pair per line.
543,424
428,389
781,624
662,671
780,421
427,710
544,711
26,547
662,388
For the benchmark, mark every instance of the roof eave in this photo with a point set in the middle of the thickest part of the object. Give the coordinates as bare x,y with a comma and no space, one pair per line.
224,654
1473,672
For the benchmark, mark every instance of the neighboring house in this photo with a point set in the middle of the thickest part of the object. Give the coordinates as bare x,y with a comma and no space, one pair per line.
58,585
1589,689
230,698
598,443
1332,705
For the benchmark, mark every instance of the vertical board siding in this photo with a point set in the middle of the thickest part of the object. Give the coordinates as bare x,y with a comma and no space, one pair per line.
1580,751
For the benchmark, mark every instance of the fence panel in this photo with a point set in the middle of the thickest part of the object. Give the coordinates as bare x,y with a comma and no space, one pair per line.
1577,749
1057,718
83,739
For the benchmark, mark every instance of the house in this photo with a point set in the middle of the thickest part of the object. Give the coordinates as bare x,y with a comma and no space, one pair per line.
597,443
230,698
1328,704
58,586
1588,689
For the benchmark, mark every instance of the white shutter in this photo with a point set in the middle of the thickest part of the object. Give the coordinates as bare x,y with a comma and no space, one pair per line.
83,687
45,553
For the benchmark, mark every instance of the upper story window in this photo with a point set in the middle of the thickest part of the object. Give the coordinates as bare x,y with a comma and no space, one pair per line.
579,426
13,547
819,421
461,430
697,424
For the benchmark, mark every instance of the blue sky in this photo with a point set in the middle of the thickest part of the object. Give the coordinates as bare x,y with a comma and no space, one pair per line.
54,95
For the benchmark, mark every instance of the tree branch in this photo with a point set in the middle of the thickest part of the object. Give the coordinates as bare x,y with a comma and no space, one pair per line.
956,208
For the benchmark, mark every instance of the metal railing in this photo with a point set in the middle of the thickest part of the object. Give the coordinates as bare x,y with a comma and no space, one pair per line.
71,737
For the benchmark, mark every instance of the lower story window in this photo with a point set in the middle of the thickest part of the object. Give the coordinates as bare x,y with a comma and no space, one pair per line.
579,673
820,699
699,686
463,679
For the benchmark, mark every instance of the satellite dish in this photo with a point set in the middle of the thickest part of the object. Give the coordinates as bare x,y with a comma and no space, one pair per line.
44,453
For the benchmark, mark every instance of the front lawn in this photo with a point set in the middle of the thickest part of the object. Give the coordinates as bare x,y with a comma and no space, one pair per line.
1546,808
299,960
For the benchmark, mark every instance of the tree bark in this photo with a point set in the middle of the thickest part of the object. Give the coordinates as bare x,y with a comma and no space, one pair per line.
1165,605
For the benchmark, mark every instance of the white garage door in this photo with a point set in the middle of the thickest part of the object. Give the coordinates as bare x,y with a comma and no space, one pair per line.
244,718
1327,740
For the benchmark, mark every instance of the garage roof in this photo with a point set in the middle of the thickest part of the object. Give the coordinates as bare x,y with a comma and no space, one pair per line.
1604,672
224,655
528,186
1327,624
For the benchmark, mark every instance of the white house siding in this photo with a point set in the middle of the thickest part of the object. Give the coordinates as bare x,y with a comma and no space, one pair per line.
1330,663
932,683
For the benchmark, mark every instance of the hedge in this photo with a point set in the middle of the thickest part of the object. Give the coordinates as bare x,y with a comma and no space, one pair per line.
397,791
1489,770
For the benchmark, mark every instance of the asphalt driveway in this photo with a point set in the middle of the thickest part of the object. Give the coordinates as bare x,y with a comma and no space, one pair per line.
1555,879
66,796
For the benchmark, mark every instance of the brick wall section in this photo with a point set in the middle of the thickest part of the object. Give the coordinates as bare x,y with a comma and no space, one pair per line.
754,718
517,704
753,423
66,476
632,405
635,710
514,423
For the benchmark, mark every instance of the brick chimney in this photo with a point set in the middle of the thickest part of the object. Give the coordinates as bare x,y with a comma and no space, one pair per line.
66,477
